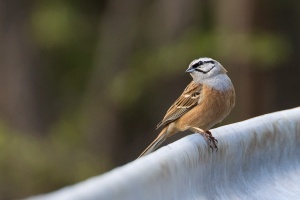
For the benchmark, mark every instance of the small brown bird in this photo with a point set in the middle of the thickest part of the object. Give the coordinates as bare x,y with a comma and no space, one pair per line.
206,101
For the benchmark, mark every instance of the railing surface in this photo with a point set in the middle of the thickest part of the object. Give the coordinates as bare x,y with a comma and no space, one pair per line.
257,159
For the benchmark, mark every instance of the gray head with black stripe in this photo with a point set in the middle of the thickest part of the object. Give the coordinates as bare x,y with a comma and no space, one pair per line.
205,68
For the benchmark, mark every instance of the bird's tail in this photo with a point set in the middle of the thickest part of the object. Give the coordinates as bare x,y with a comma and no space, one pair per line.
155,144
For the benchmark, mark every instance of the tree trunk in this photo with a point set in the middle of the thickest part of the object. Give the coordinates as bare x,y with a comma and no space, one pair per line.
17,99
233,26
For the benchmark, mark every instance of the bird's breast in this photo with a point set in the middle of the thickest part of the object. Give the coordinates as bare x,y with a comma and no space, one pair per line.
212,109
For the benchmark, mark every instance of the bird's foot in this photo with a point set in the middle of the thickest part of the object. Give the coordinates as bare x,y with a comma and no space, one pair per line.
211,140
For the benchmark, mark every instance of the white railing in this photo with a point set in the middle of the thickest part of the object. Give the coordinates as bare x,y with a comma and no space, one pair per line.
257,159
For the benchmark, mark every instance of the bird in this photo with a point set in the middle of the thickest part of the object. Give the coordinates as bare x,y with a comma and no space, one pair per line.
206,101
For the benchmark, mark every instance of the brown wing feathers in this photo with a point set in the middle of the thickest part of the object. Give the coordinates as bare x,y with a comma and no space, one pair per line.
187,100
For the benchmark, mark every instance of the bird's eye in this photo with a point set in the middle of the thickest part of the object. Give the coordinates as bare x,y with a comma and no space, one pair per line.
195,65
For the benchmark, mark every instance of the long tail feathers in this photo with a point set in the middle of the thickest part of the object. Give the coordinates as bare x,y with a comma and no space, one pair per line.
156,143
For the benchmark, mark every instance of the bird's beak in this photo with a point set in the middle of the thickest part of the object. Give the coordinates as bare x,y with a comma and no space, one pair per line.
190,70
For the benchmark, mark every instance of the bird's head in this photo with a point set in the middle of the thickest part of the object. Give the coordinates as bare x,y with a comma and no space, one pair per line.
205,68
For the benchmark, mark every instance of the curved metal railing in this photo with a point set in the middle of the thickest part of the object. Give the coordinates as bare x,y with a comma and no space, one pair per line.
257,159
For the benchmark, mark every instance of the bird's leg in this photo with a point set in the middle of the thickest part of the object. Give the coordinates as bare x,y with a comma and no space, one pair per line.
211,140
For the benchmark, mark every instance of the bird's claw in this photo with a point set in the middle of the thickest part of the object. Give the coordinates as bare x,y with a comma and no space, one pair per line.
212,141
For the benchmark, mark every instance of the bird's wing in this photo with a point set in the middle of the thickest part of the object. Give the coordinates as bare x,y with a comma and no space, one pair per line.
187,100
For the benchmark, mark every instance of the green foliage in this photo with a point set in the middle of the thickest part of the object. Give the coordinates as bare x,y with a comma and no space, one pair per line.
54,24
267,50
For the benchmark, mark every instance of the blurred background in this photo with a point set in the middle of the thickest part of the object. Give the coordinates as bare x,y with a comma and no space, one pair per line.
84,83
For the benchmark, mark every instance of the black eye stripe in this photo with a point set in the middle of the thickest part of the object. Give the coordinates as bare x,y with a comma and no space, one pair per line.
201,63
196,65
